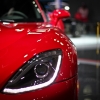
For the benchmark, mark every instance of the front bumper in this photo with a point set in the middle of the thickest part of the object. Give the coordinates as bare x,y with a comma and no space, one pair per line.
65,90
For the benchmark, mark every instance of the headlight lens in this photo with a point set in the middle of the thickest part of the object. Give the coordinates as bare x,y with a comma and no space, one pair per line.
38,72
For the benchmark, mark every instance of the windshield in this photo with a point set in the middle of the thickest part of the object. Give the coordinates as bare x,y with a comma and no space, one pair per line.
20,11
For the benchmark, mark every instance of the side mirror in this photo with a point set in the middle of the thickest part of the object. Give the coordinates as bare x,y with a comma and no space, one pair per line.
57,15
61,13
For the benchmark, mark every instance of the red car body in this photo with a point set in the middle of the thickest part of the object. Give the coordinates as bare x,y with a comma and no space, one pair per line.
19,42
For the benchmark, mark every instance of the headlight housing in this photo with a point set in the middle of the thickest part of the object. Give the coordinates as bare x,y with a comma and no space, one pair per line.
38,72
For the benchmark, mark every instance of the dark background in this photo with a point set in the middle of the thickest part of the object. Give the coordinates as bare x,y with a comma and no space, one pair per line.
94,7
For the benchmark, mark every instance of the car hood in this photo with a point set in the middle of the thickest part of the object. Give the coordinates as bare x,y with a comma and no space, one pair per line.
12,32
18,43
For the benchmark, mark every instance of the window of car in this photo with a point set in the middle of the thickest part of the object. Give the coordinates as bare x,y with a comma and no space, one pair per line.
20,11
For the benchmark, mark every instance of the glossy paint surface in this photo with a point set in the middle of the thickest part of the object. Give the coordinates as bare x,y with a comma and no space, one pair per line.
21,41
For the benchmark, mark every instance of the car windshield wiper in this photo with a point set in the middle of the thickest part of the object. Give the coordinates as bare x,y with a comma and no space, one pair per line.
6,20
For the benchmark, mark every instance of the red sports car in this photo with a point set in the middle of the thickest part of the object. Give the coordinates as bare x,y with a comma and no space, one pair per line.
37,60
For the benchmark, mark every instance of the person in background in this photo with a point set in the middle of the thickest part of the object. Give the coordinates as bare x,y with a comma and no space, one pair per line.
80,21
82,13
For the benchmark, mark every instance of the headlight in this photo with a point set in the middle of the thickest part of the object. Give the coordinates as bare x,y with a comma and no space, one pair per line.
38,72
